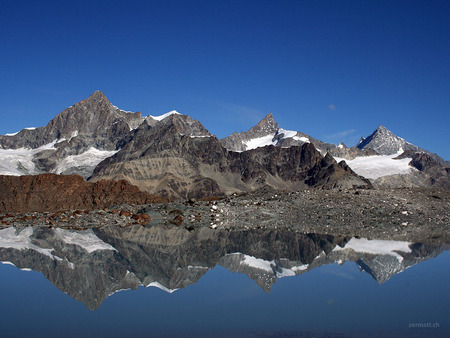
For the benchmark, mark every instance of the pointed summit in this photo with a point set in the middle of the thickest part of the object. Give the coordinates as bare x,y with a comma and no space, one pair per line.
98,94
266,126
383,141
95,101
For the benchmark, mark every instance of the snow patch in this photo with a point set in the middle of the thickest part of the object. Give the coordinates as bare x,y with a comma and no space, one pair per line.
285,273
195,136
197,267
125,111
162,287
74,134
302,139
85,239
299,268
259,142
117,291
268,266
90,158
257,263
162,117
379,165
22,241
28,128
12,159
376,247
287,133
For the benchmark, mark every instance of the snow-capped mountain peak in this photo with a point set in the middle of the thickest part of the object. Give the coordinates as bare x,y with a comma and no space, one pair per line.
267,132
385,142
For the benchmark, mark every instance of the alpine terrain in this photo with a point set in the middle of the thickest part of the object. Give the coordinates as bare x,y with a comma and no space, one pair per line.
175,156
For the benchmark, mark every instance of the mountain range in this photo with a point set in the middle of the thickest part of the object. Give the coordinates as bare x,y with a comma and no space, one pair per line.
93,264
175,156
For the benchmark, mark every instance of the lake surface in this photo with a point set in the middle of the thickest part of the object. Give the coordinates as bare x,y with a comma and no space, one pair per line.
170,282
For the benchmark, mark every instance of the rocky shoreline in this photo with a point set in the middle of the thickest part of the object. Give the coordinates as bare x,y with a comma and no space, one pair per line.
398,214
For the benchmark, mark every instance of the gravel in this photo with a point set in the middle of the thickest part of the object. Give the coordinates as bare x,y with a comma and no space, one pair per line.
406,214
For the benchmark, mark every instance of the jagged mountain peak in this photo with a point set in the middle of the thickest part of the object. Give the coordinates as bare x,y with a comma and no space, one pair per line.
186,125
383,141
266,126
97,95
74,141
267,132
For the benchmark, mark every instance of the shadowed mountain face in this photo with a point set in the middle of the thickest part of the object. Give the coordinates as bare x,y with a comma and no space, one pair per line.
93,264
178,158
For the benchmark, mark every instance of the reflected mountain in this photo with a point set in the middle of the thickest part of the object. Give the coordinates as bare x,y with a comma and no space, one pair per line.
93,264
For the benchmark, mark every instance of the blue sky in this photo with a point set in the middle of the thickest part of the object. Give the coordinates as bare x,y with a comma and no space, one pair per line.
332,69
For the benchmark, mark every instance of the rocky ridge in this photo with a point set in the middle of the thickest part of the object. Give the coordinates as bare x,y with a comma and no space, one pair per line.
175,156
267,132
168,160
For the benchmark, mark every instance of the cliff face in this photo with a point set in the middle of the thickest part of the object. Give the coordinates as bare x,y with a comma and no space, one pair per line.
50,192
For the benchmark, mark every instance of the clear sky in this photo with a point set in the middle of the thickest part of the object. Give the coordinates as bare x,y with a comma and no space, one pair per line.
332,69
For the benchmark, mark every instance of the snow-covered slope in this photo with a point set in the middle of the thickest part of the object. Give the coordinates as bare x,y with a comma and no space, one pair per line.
18,162
377,166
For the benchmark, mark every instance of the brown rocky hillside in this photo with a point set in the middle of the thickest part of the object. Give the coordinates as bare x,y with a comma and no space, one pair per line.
50,192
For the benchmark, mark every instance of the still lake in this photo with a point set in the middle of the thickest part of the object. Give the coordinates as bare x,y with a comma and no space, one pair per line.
168,282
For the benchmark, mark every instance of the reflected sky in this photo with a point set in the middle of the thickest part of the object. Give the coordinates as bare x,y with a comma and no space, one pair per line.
333,298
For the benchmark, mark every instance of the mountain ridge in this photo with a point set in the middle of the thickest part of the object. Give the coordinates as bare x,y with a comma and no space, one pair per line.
177,156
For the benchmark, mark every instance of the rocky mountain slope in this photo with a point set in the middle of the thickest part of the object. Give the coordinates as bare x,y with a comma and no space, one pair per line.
75,141
179,158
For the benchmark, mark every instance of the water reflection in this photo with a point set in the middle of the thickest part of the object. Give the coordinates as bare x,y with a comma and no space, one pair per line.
93,264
